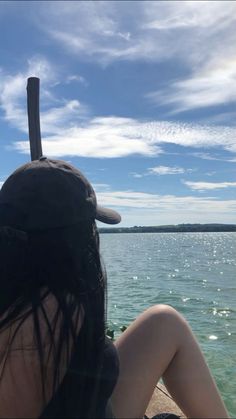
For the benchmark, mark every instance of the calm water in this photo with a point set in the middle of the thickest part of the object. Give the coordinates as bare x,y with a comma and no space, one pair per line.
193,272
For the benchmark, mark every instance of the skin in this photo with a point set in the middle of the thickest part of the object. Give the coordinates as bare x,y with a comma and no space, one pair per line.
160,343
20,385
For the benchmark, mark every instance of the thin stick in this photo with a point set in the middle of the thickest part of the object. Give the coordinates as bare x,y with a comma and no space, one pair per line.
33,118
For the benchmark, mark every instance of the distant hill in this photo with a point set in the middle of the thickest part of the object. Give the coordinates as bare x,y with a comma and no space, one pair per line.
179,228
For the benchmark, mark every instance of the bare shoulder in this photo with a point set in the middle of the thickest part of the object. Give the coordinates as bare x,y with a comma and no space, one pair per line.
20,376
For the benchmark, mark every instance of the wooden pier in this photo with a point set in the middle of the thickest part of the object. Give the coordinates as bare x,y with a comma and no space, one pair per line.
162,402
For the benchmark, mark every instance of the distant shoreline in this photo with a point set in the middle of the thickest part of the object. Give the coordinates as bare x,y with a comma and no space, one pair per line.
179,228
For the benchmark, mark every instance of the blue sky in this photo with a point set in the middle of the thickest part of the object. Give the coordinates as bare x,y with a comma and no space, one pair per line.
139,95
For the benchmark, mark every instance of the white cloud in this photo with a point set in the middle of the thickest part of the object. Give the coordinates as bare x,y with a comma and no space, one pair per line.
165,170
106,138
68,129
190,31
202,186
161,170
140,208
205,156
137,175
212,173
119,137
13,90
201,31
132,199
210,156
193,32
76,78
189,14
53,118
142,30
213,85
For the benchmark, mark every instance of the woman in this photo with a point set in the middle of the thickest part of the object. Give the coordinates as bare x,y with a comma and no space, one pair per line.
55,359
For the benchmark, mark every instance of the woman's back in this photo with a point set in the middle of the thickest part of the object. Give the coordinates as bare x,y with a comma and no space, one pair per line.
21,390
20,385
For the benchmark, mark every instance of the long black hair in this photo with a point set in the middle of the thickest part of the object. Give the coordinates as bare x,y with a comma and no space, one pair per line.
64,263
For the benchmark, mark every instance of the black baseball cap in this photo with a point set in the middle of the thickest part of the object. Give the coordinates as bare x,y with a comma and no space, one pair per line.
49,193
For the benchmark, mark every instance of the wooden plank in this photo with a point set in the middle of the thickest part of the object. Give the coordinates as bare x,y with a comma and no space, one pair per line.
161,402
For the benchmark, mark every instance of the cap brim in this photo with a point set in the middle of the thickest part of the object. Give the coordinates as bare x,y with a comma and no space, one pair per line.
107,216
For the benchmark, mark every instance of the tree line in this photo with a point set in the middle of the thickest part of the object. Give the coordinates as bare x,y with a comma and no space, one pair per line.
179,228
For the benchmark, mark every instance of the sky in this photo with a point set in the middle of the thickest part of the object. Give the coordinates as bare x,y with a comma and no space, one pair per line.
139,95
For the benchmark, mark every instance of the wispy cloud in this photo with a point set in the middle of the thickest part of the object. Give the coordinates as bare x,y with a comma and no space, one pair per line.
119,137
153,209
76,78
189,15
132,199
56,119
211,86
13,99
205,186
165,170
211,68
68,129
211,156
100,137
161,171
13,90
118,30
206,156
189,31
212,173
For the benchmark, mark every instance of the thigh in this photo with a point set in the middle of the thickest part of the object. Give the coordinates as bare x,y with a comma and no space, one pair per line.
145,350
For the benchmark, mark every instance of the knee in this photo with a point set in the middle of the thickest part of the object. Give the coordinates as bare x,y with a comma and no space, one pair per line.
167,316
172,324
163,310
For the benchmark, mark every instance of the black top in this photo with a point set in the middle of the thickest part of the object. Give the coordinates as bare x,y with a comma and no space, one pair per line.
65,402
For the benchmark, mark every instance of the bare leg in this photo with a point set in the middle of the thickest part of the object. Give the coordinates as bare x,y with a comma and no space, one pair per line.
159,343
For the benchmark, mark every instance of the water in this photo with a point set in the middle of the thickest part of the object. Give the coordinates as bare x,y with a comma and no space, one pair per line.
193,272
